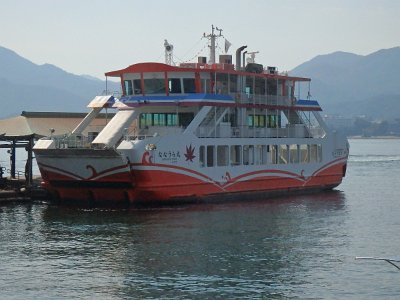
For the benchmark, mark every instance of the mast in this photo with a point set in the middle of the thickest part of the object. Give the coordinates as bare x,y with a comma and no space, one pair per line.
169,53
212,36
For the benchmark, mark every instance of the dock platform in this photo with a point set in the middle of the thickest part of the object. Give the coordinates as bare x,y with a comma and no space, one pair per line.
16,191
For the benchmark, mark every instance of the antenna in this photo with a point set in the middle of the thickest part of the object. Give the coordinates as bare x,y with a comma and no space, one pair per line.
169,53
252,57
212,36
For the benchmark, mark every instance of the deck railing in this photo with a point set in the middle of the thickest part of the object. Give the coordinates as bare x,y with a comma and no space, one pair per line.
273,100
70,141
290,131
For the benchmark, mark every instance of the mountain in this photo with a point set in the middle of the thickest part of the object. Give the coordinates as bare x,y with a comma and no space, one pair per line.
351,84
28,86
344,83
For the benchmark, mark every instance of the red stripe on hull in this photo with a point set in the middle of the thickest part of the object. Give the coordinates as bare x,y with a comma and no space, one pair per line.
164,186
117,177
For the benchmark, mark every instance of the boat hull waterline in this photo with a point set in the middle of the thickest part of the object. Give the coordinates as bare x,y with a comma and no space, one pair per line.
148,182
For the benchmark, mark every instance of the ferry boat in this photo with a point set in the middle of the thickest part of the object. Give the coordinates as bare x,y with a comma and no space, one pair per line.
197,131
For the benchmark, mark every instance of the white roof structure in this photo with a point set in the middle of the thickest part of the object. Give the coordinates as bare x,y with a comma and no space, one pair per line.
39,124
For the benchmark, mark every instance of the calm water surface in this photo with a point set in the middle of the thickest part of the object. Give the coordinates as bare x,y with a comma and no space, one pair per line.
300,247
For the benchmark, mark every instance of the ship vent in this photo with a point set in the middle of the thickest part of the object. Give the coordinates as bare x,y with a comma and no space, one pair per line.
202,60
225,59
254,68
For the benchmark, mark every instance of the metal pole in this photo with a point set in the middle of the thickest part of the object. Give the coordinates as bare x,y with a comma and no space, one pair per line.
29,174
12,159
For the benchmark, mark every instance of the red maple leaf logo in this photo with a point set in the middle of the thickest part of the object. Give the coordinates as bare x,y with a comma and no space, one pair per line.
190,153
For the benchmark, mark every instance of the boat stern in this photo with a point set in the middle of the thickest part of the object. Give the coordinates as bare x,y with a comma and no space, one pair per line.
84,175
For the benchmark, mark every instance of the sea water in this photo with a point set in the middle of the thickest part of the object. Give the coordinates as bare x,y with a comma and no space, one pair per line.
287,247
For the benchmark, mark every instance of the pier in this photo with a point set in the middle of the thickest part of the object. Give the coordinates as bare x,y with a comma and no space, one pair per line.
19,190
21,132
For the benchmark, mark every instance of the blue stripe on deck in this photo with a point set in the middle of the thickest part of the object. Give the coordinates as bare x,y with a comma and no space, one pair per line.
307,103
173,98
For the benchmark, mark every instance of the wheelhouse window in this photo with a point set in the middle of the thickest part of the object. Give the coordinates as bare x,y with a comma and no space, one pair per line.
189,85
174,86
206,86
233,78
272,86
249,85
259,86
222,83
154,86
137,87
128,88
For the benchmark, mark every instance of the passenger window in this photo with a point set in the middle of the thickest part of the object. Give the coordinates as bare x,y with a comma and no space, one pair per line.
210,156
304,154
222,155
201,156
294,153
248,155
283,154
274,154
313,153
319,152
236,154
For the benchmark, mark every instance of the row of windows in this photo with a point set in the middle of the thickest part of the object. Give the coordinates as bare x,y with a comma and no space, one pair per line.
223,155
249,84
157,86
184,119
165,119
219,83
270,121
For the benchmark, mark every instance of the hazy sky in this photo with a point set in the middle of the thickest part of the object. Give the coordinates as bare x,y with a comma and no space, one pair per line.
96,36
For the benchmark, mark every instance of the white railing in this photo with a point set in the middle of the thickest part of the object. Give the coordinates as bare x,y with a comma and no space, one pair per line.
291,131
244,98
70,141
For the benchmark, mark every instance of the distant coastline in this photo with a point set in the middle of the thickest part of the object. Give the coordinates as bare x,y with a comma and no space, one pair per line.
378,137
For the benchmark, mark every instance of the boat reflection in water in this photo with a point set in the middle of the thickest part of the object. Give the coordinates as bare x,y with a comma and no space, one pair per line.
205,250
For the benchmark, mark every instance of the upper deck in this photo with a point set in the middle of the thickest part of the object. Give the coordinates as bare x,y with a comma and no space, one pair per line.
219,84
